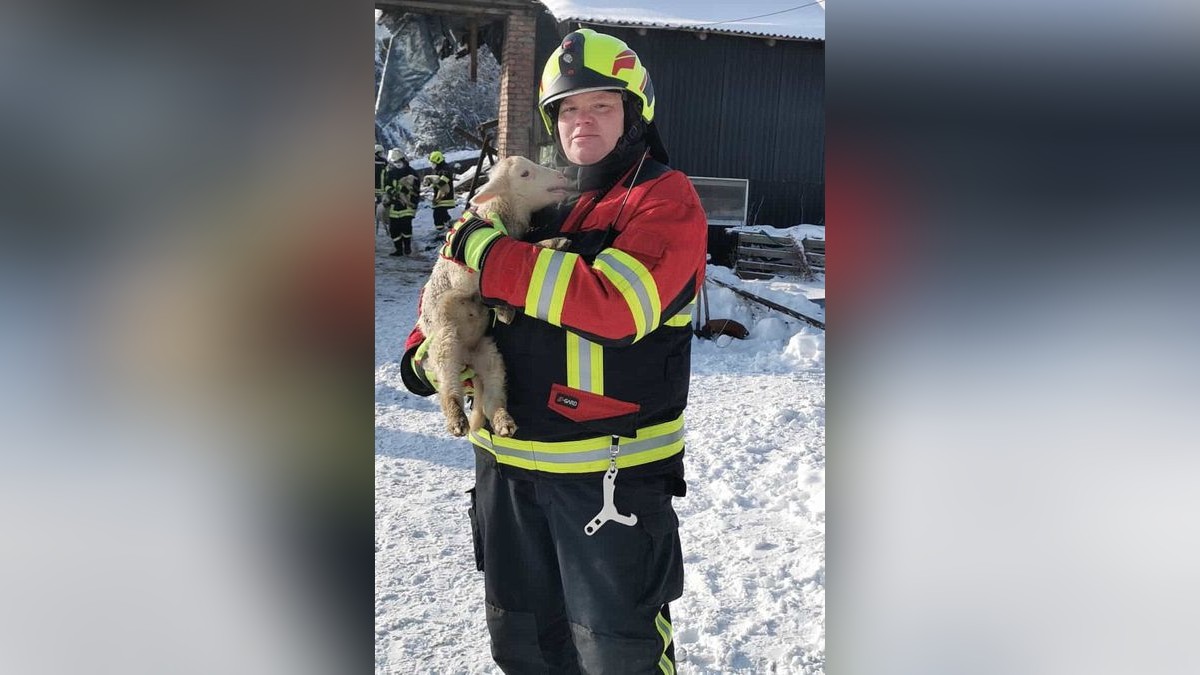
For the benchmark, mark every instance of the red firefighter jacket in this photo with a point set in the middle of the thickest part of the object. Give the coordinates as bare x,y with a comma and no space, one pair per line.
601,344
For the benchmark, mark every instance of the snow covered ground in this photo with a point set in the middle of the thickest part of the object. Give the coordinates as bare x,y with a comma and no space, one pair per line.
752,524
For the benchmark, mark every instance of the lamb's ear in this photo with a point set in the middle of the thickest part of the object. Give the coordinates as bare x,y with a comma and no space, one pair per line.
483,197
488,192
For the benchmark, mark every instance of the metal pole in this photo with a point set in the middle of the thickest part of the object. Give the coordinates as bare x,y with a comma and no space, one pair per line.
383,75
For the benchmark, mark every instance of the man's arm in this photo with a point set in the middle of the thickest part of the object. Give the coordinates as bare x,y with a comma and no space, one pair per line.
621,297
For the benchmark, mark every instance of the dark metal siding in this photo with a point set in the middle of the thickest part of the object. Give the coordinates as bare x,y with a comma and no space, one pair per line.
734,107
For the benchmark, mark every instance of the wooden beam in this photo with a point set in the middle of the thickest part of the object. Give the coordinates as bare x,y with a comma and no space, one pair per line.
765,239
485,150
475,140
473,43
770,253
765,266
498,8
773,305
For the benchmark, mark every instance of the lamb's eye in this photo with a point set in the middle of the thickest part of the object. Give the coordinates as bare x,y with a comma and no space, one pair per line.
525,173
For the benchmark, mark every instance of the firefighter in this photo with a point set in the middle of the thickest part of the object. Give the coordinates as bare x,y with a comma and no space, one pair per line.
572,517
380,167
441,180
401,196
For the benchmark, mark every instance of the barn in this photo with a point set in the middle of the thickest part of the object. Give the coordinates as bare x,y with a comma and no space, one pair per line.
740,88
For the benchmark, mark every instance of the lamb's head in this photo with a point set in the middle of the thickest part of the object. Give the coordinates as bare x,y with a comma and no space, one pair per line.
518,187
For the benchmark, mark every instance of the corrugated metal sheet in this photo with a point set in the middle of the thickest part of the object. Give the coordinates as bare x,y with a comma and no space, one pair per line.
735,107
779,18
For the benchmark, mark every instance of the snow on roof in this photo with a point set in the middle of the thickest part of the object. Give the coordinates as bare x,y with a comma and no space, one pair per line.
791,19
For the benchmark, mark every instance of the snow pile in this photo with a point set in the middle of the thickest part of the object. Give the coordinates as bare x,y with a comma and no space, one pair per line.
752,523
796,232
806,350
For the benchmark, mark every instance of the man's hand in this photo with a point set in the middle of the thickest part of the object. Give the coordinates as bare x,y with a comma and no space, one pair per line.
419,360
470,237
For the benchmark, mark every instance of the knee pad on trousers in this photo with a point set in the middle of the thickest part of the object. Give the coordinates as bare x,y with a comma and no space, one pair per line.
519,645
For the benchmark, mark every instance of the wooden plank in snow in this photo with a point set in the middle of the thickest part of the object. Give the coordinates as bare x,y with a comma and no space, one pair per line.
770,253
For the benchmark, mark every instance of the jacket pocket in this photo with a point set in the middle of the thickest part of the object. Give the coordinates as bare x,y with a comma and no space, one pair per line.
600,414
476,535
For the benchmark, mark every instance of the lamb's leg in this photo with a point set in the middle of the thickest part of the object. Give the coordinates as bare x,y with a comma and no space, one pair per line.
490,395
505,314
449,366
477,417
477,408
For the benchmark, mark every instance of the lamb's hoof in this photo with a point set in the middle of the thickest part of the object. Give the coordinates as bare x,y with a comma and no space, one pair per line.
503,424
558,243
505,314
457,426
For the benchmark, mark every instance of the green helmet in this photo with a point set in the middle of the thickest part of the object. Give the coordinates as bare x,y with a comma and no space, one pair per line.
436,157
591,61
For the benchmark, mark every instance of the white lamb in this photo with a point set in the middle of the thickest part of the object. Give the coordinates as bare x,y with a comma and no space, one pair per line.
454,318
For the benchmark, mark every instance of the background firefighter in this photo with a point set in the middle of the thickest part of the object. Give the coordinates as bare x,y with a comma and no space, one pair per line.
441,181
380,169
401,196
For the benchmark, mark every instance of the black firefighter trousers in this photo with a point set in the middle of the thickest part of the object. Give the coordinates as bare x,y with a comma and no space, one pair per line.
559,601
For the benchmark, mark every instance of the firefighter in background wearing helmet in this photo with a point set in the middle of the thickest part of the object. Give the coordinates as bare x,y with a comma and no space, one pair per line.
380,167
441,180
573,519
401,195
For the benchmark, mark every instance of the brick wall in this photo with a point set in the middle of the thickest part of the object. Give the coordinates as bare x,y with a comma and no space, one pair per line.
518,87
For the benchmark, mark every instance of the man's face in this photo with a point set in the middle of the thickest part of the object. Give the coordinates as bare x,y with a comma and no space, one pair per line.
590,124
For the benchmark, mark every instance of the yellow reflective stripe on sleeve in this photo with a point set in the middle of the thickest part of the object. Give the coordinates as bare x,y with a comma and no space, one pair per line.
635,284
494,218
664,630
589,455
683,317
548,285
585,364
